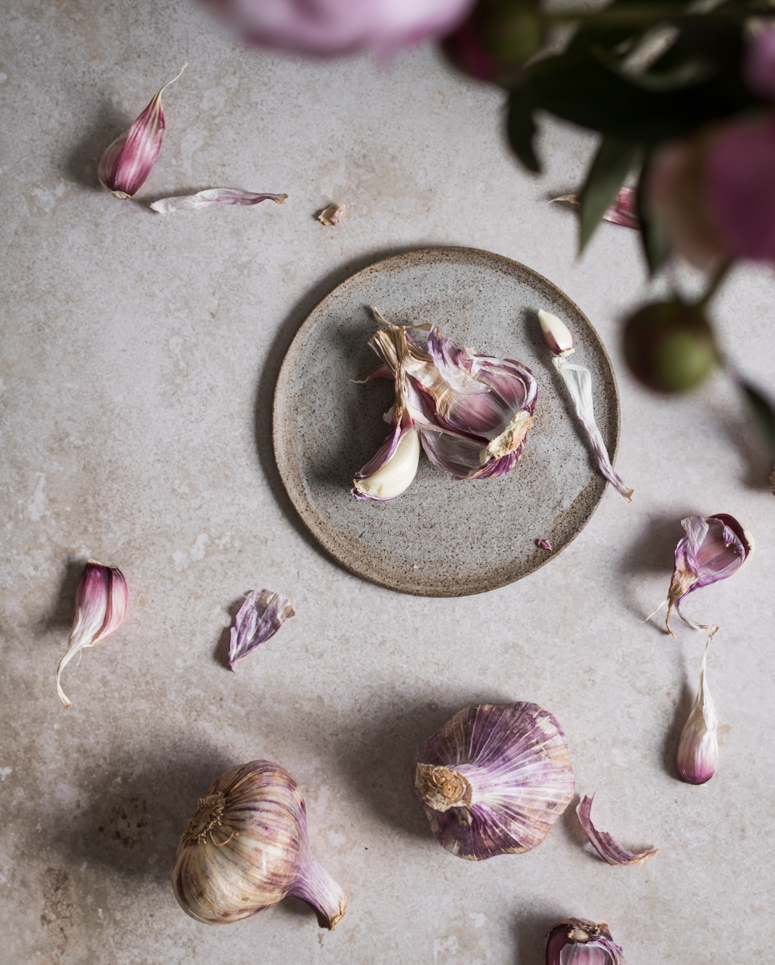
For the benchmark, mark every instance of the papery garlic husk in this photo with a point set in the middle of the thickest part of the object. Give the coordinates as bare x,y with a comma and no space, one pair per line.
494,780
213,198
714,548
246,848
100,607
623,211
609,850
472,411
581,942
578,381
332,215
125,165
698,748
259,618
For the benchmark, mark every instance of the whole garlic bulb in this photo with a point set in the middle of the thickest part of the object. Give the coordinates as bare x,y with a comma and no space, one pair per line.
246,848
494,780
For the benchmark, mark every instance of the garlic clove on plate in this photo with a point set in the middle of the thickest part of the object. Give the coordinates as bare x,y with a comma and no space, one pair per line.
494,779
392,470
246,848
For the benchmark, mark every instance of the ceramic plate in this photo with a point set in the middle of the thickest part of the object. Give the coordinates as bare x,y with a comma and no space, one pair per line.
442,537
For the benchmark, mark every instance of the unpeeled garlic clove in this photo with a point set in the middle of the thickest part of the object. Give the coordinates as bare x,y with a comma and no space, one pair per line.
714,548
392,470
259,618
698,748
581,942
603,843
211,198
100,607
494,780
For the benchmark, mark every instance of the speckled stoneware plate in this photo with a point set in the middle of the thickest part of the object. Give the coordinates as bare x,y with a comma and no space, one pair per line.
442,537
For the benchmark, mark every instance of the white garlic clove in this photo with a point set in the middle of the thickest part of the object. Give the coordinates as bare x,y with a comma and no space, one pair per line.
392,470
557,334
246,848
494,780
697,758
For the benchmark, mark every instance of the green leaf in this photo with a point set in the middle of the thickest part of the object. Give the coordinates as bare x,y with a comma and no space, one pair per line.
521,128
652,235
763,412
613,162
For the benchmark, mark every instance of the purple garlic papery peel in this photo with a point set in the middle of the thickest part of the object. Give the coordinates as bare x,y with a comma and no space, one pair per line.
494,780
100,607
259,618
602,841
246,848
714,548
544,544
213,198
581,942
472,411
125,165
391,471
578,381
698,748
622,212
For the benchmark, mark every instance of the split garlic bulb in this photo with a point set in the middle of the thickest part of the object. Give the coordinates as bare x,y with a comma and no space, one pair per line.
246,848
494,780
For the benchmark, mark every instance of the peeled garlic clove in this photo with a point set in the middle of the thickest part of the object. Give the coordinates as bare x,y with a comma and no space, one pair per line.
212,198
698,748
332,215
392,470
494,780
100,607
246,848
126,164
259,618
602,841
579,384
713,549
581,942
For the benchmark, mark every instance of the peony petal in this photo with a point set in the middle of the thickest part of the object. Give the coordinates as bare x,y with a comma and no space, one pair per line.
603,843
259,618
213,197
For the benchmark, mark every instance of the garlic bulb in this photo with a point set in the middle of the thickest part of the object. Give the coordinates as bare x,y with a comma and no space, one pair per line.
246,848
494,780
581,942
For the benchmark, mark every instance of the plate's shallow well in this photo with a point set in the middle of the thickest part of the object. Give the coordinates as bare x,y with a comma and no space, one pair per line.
441,538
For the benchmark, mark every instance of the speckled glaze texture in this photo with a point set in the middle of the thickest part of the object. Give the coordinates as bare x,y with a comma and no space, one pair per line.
443,537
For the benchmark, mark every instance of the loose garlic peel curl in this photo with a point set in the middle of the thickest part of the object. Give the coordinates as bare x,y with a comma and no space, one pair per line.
246,848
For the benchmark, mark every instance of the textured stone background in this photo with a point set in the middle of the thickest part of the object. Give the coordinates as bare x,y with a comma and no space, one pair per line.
138,359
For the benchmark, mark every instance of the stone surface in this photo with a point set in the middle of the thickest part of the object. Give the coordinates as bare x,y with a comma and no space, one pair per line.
139,356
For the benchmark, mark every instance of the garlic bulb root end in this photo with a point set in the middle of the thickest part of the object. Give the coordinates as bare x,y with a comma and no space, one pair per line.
442,788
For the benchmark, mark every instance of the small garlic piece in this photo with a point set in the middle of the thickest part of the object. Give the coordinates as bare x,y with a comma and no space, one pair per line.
581,942
100,607
332,215
246,848
557,334
494,780
698,748
259,618
392,470
125,165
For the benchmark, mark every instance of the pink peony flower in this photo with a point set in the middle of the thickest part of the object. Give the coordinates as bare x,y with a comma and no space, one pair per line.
759,67
331,27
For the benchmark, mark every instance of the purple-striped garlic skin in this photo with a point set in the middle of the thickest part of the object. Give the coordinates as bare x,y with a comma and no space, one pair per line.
581,942
246,848
697,757
259,618
608,849
713,548
494,779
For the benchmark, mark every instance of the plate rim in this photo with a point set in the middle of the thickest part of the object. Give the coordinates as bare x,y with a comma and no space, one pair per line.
283,377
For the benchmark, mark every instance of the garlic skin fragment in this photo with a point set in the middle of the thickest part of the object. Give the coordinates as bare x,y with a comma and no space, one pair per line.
623,211
494,779
246,848
332,215
125,165
603,843
714,548
392,470
213,198
697,758
578,381
259,618
100,607
581,942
